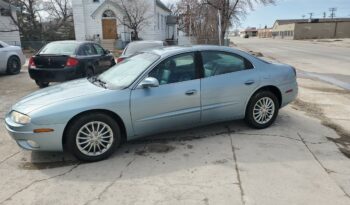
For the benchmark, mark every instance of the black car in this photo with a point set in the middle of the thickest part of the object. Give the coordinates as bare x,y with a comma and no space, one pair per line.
66,60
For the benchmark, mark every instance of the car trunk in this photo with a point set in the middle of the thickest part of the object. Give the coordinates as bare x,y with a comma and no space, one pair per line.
50,61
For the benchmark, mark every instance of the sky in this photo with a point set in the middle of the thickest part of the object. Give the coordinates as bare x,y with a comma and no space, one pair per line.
291,9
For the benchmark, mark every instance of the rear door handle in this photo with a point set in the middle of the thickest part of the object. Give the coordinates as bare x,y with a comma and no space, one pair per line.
191,92
249,82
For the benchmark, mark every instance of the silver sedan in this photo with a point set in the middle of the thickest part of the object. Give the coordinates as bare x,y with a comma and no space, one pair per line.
11,59
155,91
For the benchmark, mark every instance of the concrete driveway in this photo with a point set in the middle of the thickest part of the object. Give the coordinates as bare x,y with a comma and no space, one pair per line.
293,162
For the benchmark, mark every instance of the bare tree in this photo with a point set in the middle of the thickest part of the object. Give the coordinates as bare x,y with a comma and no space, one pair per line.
233,10
135,15
37,18
201,15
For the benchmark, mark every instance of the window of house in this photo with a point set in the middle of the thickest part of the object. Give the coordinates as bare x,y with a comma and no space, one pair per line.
218,63
175,69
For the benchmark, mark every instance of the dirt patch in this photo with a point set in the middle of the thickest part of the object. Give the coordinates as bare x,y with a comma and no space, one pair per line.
155,148
314,110
345,152
327,90
257,54
222,161
189,146
45,165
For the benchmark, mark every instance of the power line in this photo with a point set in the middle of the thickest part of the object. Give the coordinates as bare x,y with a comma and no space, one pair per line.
332,10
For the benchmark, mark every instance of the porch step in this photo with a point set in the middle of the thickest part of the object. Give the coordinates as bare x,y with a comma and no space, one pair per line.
108,44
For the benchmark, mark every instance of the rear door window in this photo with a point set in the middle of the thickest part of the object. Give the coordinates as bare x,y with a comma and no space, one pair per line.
60,48
88,50
219,63
99,49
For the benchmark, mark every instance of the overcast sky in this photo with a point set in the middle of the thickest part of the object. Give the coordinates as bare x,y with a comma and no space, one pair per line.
286,9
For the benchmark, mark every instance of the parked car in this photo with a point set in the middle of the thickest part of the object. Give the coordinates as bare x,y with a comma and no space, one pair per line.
11,59
155,91
138,46
66,60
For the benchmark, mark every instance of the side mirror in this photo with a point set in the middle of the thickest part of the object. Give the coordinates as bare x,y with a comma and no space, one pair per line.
149,82
107,51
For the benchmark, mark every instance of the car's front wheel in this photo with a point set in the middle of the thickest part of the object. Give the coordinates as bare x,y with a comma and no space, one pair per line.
93,137
262,110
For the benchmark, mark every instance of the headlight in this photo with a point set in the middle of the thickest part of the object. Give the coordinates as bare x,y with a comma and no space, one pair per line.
20,118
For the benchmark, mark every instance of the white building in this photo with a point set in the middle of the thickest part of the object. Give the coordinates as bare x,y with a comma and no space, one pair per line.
94,18
9,32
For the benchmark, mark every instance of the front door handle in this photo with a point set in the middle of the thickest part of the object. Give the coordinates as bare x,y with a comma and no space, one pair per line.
191,92
249,82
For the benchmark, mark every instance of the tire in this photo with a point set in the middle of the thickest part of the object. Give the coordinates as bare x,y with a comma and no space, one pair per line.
42,84
89,146
89,72
262,110
13,65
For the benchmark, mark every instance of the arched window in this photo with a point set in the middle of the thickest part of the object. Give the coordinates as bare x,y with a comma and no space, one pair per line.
108,14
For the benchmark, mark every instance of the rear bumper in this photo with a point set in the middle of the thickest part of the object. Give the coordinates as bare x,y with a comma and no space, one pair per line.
55,75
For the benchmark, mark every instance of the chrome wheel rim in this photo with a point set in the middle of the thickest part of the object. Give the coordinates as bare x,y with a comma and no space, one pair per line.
94,138
264,109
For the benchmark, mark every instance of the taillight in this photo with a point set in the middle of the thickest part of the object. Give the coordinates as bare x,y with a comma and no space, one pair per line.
119,60
72,62
31,64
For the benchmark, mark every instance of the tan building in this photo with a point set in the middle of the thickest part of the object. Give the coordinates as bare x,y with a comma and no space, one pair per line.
265,33
251,32
299,29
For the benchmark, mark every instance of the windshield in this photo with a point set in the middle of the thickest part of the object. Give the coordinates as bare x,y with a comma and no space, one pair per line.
136,47
59,48
125,73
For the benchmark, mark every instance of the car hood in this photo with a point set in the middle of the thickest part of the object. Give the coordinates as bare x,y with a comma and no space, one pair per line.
56,93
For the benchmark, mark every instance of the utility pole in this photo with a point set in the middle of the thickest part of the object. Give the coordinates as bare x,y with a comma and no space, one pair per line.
332,10
311,15
324,15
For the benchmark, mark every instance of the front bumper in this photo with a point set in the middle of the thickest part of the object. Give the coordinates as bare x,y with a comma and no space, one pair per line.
26,138
55,75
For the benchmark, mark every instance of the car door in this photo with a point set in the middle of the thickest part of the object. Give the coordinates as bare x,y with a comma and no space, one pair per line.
175,104
229,80
104,58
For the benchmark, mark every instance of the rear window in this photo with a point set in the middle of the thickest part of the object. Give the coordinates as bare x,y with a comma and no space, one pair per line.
136,47
59,49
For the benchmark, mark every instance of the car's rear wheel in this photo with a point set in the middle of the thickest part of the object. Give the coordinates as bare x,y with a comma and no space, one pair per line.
42,84
13,65
89,72
262,110
93,137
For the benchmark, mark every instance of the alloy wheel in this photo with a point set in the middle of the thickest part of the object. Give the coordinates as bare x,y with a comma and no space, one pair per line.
94,138
264,110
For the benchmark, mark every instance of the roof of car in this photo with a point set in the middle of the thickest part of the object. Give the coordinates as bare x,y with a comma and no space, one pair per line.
72,41
181,49
147,41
